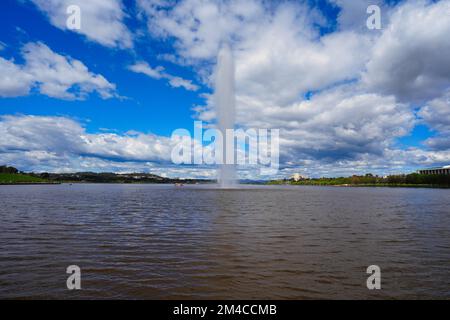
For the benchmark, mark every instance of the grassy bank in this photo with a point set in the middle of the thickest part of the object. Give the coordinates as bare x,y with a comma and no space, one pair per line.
9,178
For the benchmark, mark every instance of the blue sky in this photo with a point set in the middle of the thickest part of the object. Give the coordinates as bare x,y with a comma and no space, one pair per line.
345,98
149,105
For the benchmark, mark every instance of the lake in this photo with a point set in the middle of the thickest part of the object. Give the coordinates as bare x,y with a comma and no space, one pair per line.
197,242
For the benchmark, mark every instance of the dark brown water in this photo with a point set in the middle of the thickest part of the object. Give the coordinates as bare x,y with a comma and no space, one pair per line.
159,242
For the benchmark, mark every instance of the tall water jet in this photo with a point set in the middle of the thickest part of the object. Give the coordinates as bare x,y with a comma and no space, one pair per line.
225,101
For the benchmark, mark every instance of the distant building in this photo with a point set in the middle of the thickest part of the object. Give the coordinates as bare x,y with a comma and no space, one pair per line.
442,170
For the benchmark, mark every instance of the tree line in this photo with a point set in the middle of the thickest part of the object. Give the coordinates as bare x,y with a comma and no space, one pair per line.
9,170
413,179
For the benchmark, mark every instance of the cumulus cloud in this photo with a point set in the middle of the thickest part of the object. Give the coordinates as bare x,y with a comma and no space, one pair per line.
200,26
60,144
59,135
14,80
340,124
51,74
393,161
144,68
282,60
436,114
279,52
280,55
340,99
101,21
335,131
159,73
410,59
282,72
49,143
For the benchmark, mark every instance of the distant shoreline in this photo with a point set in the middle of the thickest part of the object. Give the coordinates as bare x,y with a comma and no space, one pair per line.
12,176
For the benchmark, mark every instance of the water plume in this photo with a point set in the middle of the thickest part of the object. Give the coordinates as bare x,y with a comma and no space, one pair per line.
225,101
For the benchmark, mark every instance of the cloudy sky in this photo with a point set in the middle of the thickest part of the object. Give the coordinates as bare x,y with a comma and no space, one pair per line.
347,99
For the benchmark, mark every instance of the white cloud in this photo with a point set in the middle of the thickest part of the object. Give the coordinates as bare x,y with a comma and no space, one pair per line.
344,126
393,161
343,123
159,73
14,80
60,144
280,56
365,85
177,82
280,68
59,135
436,114
410,59
144,68
51,74
278,49
102,21
199,26
440,142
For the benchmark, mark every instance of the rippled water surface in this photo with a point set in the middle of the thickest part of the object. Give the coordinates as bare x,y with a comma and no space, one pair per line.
163,242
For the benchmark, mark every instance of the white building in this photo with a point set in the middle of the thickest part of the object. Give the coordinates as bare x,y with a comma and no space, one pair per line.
297,177
443,170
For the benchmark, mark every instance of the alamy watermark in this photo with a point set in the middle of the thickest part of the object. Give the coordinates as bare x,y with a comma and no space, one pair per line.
255,147
374,280
73,21
74,280
374,20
